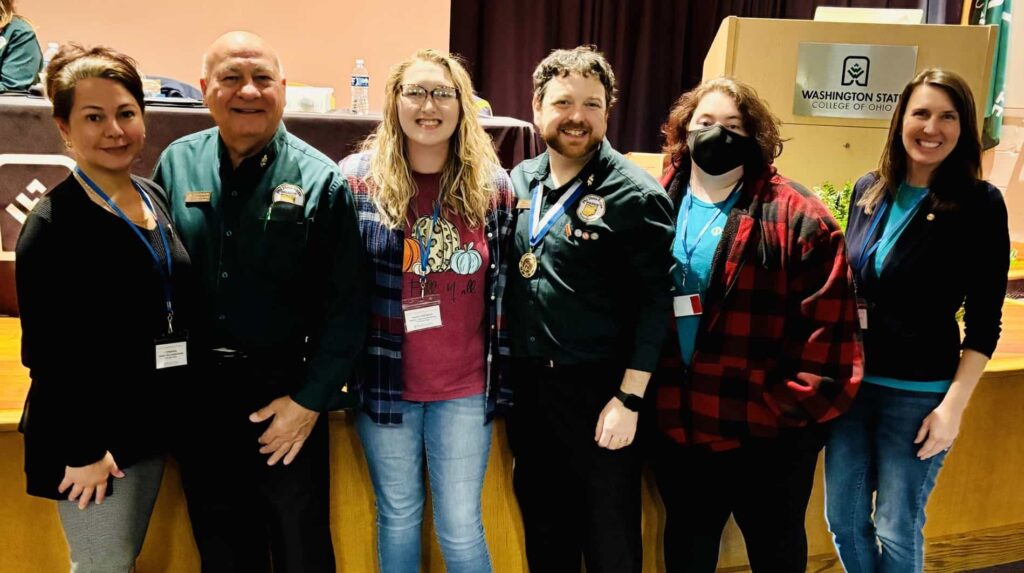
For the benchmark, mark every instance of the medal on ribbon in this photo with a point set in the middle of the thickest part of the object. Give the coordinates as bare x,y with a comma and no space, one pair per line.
539,226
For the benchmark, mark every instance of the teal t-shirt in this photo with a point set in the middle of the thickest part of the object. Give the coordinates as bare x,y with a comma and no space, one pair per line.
693,253
906,204
908,200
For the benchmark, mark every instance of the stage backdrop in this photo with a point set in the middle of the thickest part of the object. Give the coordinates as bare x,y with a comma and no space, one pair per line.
656,47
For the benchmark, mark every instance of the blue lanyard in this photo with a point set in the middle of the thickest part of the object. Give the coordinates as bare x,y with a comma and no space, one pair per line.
689,250
539,226
868,250
425,247
163,239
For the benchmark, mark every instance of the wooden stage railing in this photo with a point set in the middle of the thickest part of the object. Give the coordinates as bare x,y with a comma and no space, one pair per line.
976,515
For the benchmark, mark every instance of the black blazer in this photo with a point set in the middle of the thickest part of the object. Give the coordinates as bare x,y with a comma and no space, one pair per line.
943,259
91,303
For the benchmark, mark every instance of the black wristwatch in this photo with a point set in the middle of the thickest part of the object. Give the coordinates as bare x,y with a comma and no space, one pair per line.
630,401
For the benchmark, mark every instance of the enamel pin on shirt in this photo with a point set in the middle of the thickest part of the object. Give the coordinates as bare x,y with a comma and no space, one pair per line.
288,193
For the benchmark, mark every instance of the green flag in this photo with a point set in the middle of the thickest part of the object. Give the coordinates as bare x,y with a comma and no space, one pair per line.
994,13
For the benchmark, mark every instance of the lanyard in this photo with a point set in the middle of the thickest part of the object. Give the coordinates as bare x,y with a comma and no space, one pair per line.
163,239
539,226
689,250
425,246
893,231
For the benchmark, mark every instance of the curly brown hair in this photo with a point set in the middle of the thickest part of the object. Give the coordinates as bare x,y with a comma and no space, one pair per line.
585,61
74,63
758,121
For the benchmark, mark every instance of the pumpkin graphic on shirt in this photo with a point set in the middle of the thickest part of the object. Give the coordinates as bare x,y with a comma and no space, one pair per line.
466,261
444,240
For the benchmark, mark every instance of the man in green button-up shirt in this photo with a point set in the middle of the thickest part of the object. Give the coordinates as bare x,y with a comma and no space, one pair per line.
587,314
270,225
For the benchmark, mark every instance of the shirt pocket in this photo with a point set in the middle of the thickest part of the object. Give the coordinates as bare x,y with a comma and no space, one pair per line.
281,249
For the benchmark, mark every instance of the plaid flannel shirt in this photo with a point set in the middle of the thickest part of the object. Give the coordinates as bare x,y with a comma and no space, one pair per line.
378,383
779,343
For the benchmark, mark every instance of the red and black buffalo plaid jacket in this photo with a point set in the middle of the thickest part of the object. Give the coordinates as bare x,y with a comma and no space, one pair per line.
778,345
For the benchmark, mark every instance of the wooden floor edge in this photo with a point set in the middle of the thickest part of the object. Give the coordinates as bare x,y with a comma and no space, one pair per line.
946,554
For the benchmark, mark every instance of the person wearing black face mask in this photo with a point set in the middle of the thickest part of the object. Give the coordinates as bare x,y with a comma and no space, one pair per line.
765,347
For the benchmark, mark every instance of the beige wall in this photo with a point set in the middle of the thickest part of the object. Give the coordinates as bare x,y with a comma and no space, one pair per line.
318,41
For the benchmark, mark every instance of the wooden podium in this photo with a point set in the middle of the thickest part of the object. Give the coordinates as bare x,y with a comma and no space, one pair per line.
765,53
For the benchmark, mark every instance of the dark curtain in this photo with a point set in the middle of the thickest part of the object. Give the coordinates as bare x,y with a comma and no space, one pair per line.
656,47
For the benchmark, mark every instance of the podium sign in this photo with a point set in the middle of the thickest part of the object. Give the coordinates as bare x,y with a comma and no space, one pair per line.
851,80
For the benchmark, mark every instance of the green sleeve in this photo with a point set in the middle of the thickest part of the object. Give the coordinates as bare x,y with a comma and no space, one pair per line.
338,342
21,59
652,267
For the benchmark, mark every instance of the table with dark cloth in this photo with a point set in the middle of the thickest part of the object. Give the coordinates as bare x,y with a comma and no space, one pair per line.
33,158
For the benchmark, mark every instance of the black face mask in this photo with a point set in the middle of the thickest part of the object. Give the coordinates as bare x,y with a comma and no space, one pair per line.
716,150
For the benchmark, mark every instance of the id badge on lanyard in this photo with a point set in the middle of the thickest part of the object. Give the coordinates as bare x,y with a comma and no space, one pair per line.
862,313
687,305
422,313
171,349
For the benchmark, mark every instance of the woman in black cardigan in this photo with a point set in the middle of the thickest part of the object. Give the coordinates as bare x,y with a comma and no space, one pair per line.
102,287
926,236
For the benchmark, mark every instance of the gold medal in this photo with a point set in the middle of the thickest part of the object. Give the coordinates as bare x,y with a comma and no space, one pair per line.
528,265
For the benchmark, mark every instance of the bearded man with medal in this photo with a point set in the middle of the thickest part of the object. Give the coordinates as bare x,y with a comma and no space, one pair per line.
586,314
766,341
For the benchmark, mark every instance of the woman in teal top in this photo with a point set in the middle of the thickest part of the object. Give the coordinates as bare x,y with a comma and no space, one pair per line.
20,57
926,236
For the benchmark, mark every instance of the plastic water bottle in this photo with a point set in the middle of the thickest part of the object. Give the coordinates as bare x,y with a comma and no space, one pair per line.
51,51
48,54
360,89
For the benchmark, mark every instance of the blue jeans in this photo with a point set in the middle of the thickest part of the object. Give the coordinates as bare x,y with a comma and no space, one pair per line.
457,441
871,450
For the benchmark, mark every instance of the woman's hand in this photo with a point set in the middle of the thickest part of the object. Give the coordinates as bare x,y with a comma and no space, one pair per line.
88,480
938,430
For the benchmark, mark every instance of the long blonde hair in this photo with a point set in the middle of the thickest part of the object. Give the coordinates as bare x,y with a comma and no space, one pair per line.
466,179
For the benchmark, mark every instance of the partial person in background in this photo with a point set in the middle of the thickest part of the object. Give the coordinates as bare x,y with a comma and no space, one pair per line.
765,347
927,236
104,294
435,210
270,224
21,60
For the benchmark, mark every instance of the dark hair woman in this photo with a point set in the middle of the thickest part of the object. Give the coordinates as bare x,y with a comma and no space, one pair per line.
102,294
927,235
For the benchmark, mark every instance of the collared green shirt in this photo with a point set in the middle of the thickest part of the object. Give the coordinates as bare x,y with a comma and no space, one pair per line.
279,280
602,288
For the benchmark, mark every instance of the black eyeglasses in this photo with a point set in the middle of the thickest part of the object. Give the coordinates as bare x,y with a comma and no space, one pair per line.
440,94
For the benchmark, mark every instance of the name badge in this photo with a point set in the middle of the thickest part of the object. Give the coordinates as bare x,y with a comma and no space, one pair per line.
687,305
171,351
523,204
198,197
422,313
862,313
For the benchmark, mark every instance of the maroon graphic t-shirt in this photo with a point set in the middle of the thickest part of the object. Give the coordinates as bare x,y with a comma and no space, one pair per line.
447,362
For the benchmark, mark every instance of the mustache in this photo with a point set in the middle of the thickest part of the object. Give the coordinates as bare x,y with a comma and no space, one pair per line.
574,125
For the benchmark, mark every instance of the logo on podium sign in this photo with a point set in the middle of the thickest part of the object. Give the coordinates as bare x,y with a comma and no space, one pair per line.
856,70
24,178
861,81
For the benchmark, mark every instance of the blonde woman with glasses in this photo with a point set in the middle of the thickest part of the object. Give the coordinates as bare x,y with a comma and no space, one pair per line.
435,212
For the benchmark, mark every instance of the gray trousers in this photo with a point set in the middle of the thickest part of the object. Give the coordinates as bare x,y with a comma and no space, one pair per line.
107,538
